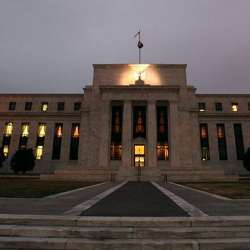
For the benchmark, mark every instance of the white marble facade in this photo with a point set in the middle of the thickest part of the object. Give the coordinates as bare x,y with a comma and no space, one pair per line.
114,85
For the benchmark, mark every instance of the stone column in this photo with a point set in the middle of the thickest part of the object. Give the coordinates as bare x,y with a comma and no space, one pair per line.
173,132
152,134
105,133
127,134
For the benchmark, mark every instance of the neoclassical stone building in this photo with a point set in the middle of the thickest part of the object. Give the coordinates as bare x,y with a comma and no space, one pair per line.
133,120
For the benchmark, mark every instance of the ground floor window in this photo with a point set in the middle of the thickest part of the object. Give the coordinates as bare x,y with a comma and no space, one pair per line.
115,152
162,152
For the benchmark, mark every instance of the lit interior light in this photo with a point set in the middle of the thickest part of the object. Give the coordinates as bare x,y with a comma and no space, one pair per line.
76,133
234,107
25,130
39,152
202,109
6,150
8,129
45,107
41,130
59,131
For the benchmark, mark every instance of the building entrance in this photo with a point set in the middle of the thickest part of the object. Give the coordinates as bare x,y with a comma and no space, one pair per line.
139,155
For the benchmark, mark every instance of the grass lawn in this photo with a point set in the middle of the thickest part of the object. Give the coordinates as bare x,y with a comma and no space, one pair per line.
234,190
35,188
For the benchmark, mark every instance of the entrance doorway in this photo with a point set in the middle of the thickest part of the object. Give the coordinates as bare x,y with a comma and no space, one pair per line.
139,155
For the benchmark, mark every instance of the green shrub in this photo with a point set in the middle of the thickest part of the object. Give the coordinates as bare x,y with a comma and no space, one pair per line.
246,160
23,160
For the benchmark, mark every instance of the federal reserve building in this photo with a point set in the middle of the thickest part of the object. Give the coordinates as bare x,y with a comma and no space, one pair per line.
134,120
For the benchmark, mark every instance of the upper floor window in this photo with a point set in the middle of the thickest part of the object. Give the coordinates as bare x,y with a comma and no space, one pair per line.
218,106
77,106
249,106
44,106
235,107
60,106
28,105
202,106
12,105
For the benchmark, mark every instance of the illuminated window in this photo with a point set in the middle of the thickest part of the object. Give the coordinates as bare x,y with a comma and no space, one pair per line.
205,154
222,144
56,151
28,106
77,106
8,129
24,135
139,155
12,105
235,107
75,131
74,142
60,106
41,130
202,106
44,107
25,130
39,152
218,106
162,152
6,151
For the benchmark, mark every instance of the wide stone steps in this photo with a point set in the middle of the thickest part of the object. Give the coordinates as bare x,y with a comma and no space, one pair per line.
100,233
77,232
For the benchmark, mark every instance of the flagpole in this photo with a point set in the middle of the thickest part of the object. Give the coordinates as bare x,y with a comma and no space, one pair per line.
139,48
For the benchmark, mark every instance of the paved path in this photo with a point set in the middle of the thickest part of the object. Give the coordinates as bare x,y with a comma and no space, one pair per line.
136,199
57,205
211,205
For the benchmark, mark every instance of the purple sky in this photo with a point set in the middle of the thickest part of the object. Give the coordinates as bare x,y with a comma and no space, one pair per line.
50,45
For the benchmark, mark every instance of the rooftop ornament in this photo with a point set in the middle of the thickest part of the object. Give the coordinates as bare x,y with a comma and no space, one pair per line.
140,72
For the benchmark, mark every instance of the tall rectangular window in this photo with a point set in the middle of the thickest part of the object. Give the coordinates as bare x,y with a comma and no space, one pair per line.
8,130
41,132
74,142
239,143
139,121
162,133
28,106
205,154
24,135
116,133
56,151
222,144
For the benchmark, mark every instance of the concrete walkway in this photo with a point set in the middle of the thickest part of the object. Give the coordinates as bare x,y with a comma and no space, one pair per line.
208,204
136,199
51,205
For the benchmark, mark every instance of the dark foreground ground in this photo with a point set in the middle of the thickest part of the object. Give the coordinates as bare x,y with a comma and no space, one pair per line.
136,199
35,188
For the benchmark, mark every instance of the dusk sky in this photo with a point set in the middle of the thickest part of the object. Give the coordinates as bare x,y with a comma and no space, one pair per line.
49,46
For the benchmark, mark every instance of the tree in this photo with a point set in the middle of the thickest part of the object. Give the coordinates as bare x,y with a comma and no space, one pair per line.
246,160
2,157
23,160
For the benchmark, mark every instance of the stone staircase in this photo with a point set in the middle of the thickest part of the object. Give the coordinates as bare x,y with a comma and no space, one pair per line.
75,233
